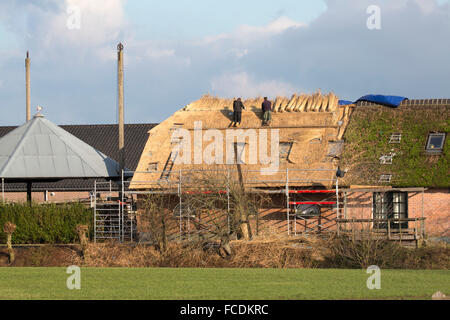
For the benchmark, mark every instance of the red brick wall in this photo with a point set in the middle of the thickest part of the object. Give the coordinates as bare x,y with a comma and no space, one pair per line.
59,196
273,220
436,209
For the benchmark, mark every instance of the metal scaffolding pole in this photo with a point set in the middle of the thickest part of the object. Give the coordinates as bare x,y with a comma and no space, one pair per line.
337,197
287,201
228,199
121,208
179,196
423,214
95,211
3,189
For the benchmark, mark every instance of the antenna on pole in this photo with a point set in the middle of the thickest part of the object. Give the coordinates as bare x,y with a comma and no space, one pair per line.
27,83
120,106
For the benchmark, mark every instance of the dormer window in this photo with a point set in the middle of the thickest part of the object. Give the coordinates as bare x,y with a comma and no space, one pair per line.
435,143
285,151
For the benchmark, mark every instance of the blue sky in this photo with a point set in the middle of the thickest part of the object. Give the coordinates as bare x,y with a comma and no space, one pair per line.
176,51
181,19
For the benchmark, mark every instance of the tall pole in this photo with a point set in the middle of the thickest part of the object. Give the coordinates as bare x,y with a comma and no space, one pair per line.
121,121
27,80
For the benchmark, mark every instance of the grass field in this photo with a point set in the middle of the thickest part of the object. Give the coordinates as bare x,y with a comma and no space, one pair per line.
149,283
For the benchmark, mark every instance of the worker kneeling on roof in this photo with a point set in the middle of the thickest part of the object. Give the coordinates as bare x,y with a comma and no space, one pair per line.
237,112
267,111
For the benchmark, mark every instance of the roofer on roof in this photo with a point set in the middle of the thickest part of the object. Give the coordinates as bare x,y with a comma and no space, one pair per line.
267,111
237,112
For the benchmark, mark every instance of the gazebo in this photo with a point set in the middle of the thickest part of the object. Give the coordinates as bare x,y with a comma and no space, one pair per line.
40,151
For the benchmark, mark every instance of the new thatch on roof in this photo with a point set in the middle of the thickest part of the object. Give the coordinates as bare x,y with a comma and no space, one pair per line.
306,123
297,103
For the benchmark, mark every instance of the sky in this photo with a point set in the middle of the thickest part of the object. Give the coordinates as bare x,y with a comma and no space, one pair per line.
176,51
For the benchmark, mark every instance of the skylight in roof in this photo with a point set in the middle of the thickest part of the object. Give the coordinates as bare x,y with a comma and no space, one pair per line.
385,178
387,158
395,138
435,142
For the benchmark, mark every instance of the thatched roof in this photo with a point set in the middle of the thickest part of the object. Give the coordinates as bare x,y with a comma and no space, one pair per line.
367,139
311,131
297,103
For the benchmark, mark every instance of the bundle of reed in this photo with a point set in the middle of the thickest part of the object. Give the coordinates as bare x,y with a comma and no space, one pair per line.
9,229
284,102
277,104
81,230
299,102
291,104
333,102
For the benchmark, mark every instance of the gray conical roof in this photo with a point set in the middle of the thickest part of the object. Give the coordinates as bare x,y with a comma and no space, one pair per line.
40,149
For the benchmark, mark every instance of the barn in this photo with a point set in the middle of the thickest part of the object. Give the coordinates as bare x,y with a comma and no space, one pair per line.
379,164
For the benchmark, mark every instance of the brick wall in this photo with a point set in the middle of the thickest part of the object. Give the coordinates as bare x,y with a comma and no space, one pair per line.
436,209
59,196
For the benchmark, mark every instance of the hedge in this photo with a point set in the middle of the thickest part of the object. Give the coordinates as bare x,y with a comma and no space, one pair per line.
46,223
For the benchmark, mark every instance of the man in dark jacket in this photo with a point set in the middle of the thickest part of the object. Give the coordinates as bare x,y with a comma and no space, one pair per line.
237,112
267,111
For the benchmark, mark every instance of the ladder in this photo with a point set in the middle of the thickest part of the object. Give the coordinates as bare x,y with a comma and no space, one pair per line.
113,219
175,142
169,165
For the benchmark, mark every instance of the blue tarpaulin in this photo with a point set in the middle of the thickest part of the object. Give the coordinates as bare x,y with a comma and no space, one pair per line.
344,102
391,101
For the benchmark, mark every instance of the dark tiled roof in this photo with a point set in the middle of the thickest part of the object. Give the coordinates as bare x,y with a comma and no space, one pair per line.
104,138
414,102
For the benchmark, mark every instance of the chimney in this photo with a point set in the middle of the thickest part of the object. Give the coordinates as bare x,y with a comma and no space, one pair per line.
27,81
120,93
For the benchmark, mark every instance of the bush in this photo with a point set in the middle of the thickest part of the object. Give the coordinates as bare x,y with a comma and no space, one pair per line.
347,253
48,223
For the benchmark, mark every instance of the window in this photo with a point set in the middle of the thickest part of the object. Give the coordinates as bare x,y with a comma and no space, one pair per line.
152,166
395,138
316,140
387,158
285,151
390,205
435,142
239,151
385,178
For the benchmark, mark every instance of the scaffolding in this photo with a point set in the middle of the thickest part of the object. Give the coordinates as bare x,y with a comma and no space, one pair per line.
114,213
288,186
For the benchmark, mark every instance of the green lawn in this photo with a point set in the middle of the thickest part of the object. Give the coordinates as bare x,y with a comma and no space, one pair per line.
158,283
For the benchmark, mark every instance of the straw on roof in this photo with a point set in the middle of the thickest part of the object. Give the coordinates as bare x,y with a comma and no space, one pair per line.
300,102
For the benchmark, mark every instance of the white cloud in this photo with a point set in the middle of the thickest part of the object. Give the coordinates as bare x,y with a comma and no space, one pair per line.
252,33
243,85
75,70
238,53
428,6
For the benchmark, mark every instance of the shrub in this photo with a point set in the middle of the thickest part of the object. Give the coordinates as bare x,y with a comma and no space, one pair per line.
347,253
48,223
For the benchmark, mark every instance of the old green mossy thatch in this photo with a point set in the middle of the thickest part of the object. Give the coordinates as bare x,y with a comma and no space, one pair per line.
367,139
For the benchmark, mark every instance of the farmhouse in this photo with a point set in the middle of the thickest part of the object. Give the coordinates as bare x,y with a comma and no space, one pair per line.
380,164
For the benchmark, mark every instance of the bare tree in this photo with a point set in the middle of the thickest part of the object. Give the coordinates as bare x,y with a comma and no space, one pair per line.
214,202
